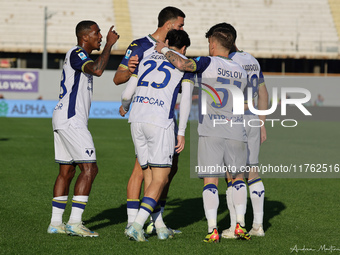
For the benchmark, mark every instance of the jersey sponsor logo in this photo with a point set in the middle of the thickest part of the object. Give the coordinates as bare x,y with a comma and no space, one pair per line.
82,56
224,117
147,100
128,53
59,106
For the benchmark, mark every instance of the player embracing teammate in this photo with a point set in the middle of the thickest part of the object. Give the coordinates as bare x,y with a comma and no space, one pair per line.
169,18
226,145
256,135
153,89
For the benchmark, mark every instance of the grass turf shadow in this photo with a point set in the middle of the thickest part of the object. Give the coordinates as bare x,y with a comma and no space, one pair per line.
180,213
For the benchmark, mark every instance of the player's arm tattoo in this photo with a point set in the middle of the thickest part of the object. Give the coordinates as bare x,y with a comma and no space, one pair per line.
102,60
181,63
97,67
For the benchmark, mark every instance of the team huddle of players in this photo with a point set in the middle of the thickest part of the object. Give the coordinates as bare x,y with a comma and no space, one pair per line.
156,70
156,82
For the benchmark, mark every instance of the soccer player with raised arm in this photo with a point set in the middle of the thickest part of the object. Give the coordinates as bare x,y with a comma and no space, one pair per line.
153,91
218,145
256,135
72,140
169,18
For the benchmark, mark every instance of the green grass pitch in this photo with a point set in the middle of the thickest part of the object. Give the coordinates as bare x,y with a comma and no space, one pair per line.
299,212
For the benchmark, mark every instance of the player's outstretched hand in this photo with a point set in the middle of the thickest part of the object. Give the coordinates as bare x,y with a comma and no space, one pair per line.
160,45
133,62
180,143
112,36
122,112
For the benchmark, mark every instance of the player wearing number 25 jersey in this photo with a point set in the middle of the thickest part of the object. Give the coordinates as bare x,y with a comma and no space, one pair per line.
168,18
157,87
153,90
157,84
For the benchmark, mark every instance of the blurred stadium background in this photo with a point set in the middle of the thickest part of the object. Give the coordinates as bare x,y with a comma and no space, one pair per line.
299,37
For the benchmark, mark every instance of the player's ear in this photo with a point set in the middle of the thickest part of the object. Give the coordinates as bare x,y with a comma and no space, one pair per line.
85,37
168,25
211,45
214,44
183,50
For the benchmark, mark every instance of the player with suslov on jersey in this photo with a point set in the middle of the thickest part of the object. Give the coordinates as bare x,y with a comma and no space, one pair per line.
168,18
153,90
256,135
221,144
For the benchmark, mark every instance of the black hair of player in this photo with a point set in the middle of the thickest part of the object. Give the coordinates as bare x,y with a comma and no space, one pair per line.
169,13
224,37
224,25
84,25
178,38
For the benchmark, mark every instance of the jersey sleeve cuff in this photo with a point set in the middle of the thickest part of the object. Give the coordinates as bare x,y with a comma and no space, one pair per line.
124,66
83,66
181,132
188,80
195,65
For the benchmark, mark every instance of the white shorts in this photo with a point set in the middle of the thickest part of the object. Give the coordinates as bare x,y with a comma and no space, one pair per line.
154,145
254,139
217,155
74,145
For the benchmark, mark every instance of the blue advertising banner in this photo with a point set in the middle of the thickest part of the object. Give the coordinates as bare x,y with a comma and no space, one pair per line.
106,110
19,81
44,109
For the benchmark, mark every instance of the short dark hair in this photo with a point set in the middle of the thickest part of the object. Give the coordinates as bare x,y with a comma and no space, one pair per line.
84,25
169,13
224,25
224,37
178,38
